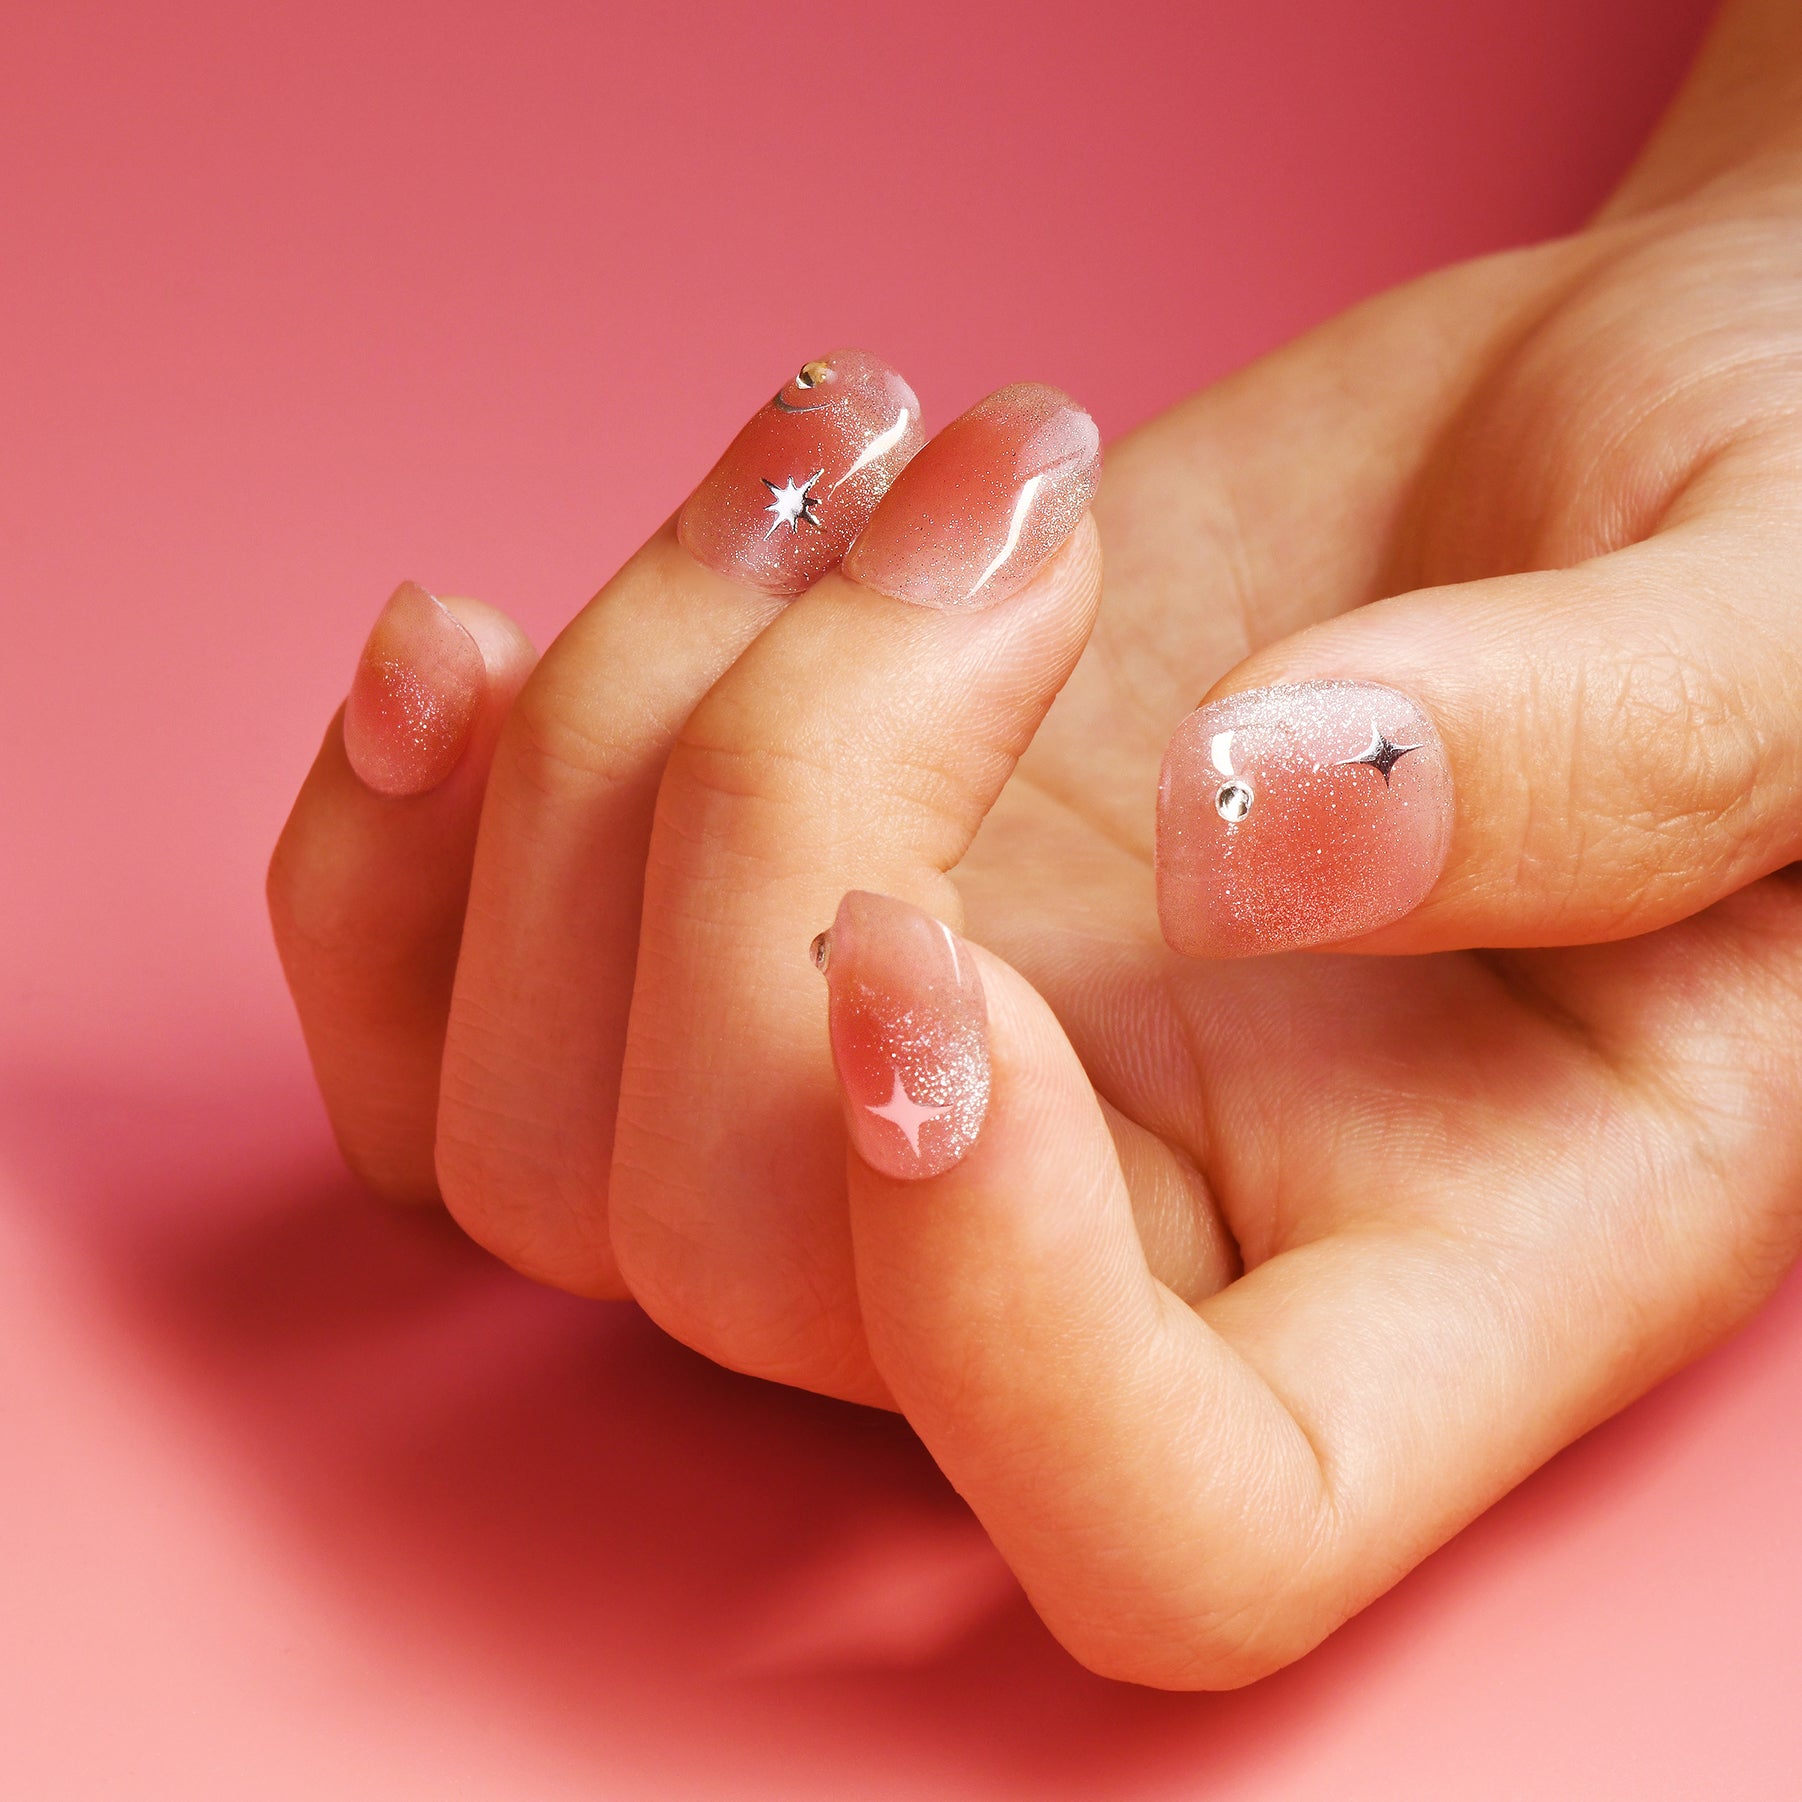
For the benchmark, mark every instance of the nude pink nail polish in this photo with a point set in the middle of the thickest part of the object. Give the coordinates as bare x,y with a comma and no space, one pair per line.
910,1035
414,697
799,482
1299,815
975,515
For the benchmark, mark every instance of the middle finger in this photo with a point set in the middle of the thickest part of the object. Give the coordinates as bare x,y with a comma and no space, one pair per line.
544,978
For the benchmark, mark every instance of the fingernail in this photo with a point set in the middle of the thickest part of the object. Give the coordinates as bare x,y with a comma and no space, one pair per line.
910,1035
975,514
1299,815
800,481
414,696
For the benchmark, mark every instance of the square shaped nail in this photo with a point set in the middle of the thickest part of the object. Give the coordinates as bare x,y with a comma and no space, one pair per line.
1296,815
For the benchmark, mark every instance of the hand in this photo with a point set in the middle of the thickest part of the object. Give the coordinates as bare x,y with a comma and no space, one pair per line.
1482,1199
467,1005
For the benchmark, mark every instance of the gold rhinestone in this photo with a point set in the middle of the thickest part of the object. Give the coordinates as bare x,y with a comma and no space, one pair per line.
813,374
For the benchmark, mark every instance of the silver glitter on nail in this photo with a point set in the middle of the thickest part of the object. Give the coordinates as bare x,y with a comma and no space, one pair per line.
1326,851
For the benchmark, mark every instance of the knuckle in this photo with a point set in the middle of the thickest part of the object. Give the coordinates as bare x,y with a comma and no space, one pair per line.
726,810
316,915
1679,752
1209,1652
1687,752
385,1165
798,771
513,1183
553,739
754,786
1208,1629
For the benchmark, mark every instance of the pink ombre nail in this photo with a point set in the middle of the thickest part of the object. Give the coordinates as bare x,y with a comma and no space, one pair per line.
1299,815
803,477
414,696
978,512
910,1035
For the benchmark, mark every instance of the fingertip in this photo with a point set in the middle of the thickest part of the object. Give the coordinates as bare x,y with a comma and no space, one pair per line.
986,505
508,654
801,479
909,1034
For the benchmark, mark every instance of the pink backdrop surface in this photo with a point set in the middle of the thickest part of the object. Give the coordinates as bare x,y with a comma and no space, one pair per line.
301,1499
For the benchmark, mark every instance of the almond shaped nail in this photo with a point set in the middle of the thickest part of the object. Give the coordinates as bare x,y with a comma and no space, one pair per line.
414,696
1299,815
910,1035
975,515
798,484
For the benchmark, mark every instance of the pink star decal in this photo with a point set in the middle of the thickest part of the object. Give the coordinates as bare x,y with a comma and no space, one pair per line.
903,1111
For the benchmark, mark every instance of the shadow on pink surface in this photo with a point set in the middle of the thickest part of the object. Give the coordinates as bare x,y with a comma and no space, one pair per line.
549,1496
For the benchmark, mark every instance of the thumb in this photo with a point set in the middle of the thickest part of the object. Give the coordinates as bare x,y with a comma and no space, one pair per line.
1553,758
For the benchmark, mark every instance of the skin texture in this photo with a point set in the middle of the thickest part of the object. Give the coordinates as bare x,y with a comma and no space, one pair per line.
1479,1198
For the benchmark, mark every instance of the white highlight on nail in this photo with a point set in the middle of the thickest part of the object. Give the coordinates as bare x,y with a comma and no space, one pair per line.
1015,527
879,446
1222,753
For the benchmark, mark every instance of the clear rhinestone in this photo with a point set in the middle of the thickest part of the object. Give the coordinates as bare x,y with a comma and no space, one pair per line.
1233,802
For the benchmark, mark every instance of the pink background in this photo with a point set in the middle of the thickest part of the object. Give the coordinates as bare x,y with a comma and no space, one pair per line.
305,1500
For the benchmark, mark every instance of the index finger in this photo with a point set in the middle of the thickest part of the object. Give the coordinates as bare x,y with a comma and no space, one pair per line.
1194,1497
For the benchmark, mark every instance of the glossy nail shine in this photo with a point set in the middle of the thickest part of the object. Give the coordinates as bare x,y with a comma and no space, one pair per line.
982,508
1299,815
909,1030
801,480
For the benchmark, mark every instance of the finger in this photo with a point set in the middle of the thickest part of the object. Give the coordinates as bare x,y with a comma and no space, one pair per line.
532,1061
861,740
1193,1497
369,879
1142,1480
1554,758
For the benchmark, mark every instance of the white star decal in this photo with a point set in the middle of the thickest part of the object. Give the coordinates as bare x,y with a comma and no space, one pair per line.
792,505
903,1111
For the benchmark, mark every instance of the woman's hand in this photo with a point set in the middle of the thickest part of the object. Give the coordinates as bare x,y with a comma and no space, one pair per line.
1481,1198
576,1025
